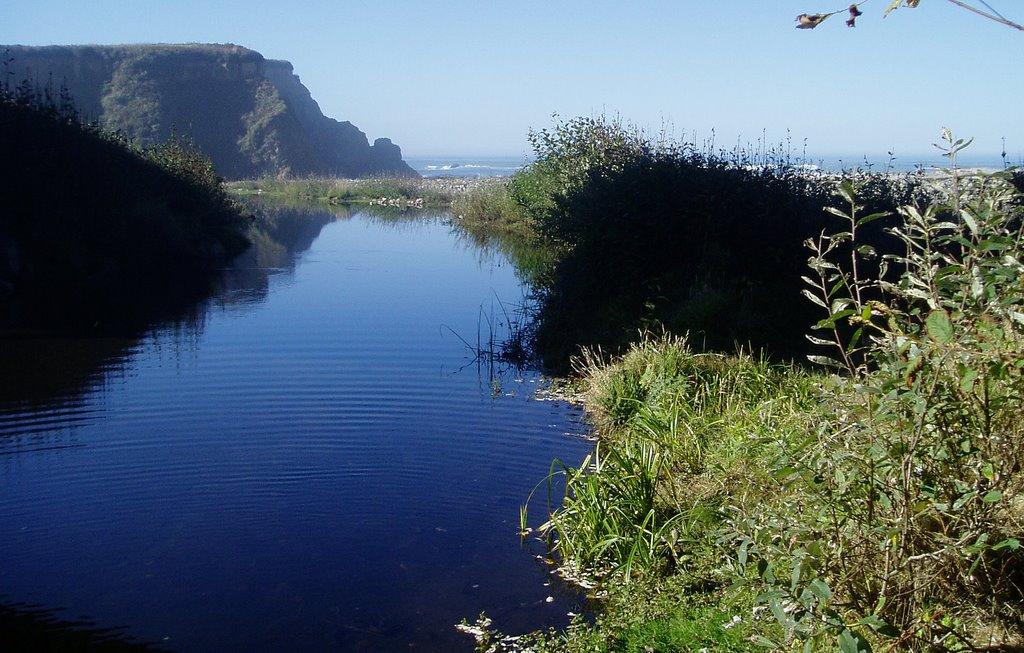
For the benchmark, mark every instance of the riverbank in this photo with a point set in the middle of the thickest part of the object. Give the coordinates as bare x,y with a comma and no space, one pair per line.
874,501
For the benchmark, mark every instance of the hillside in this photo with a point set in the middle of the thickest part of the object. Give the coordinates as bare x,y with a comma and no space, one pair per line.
251,115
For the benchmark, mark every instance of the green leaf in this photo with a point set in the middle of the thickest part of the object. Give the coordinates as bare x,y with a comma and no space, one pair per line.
995,496
1012,544
969,220
873,622
847,191
851,642
780,615
820,589
939,327
763,642
870,218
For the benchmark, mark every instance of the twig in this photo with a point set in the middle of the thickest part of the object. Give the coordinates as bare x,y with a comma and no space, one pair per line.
993,16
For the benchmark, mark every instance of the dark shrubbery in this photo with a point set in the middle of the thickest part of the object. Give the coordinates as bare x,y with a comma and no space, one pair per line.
94,227
701,242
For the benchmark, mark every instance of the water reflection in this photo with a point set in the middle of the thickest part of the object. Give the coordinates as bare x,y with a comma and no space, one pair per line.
296,463
51,370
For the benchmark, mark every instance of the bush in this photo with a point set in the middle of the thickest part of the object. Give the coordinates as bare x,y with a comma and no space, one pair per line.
95,228
880,506
649,233
904,515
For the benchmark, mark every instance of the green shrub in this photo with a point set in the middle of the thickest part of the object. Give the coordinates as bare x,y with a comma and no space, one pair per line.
877,507
902,518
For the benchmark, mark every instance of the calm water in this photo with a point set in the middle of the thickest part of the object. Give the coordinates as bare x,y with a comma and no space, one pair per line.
304,463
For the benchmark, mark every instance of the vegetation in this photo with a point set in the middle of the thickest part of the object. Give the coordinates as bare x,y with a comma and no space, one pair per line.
97,228
487,208
381,190
876,506
645,233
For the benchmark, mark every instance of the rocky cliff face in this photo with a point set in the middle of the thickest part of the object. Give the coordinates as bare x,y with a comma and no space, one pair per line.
252,115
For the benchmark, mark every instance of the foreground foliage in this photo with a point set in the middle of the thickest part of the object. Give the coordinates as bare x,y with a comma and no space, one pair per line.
877,506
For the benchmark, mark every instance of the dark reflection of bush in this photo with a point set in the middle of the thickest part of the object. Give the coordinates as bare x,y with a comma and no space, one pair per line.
29,628
47,368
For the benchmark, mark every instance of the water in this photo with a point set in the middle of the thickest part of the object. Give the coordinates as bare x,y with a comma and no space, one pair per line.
467,166
309,461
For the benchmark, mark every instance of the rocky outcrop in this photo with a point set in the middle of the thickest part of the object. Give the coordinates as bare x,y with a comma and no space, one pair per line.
251,115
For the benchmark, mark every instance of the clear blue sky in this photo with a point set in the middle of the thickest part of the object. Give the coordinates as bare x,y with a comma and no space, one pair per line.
458,77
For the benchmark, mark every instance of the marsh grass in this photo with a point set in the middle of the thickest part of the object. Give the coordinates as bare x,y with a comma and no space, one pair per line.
679,433
402,191
489,208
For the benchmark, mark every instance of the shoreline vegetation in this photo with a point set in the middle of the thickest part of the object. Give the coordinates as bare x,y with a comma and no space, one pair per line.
737,498
821,450
99,232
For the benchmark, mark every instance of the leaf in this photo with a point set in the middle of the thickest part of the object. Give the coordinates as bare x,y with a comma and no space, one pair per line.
995,496
851,642
847,191
1012,544
893,6
873,622
763,642
825,361
814,298
939,327
969,220
820,589
871,218
810,21
780,615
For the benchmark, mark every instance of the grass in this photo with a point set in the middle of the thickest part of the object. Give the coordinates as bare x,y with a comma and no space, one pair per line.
489,208
682,433
402,191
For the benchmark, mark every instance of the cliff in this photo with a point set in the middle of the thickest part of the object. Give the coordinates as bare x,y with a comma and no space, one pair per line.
251,115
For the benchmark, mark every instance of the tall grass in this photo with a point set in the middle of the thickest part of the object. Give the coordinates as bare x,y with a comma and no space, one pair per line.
488,208
678,430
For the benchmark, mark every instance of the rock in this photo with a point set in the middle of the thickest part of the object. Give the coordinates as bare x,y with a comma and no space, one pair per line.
251,115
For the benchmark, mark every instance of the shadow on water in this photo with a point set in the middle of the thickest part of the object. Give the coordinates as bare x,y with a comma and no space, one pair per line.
30,629
44,369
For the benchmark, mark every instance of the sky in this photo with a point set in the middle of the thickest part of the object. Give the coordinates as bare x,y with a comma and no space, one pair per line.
450,77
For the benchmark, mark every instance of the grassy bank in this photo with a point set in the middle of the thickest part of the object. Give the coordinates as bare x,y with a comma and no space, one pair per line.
394,191
95,228
876,503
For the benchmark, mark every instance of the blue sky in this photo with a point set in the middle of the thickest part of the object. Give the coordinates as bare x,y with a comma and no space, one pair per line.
455,77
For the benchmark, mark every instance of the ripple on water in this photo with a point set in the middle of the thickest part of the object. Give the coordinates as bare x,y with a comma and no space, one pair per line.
313,468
